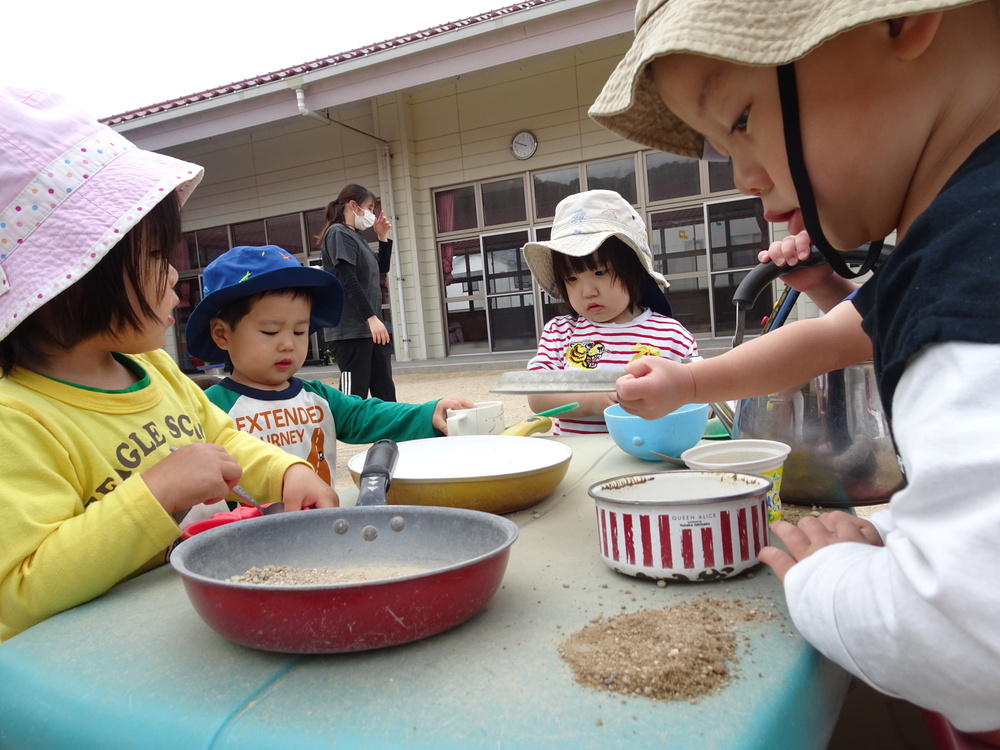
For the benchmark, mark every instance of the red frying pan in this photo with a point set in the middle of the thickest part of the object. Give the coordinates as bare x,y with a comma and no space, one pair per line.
461,556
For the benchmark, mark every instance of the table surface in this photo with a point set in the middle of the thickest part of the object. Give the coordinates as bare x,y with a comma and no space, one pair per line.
137,667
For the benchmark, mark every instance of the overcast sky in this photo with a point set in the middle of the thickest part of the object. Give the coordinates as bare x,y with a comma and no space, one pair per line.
111,61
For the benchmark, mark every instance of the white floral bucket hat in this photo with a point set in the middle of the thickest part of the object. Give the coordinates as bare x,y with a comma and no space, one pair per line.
582,223
70,189
750,32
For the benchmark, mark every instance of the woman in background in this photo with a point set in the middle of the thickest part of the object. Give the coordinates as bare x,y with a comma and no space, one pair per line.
361,344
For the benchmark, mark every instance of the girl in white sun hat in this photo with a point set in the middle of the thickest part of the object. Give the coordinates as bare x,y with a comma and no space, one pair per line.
598,261
91,408
852,119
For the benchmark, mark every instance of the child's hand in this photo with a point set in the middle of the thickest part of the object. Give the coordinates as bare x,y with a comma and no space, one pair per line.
654,386
439,420
302,488
789,251
812,534
824,287
193,474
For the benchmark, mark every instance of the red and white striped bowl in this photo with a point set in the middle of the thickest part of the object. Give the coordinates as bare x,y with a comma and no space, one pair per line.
682,525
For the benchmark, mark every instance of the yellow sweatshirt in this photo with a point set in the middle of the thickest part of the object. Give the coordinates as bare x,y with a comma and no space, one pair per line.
75,515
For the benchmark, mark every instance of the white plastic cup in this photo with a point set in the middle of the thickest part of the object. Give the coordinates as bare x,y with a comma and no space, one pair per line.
485,419
765,457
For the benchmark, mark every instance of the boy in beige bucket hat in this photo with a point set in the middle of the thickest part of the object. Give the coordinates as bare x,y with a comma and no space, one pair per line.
598,261
851,119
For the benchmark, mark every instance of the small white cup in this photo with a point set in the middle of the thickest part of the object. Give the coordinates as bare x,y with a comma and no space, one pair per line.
765,457
485,419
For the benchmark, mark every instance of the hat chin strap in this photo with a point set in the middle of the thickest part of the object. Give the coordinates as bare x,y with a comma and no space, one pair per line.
789,95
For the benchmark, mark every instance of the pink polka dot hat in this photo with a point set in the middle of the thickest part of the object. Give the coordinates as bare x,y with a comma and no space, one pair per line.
70,188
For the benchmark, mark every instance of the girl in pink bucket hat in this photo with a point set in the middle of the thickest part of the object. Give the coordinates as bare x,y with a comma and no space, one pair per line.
598,261
105,445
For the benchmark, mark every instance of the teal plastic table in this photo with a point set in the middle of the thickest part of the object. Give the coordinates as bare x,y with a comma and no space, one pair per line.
137,667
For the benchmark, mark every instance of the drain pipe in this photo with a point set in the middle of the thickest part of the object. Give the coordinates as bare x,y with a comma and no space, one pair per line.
390,208
300,98
385,159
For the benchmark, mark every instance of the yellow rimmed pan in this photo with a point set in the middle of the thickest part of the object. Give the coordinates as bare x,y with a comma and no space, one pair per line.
492,473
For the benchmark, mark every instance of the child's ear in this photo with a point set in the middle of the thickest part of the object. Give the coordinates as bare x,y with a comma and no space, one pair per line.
220,331
910,36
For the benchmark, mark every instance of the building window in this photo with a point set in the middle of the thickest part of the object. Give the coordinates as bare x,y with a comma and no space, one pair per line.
670,176
456,209
617,175
552,187
206,245
720,176
704,247
503,202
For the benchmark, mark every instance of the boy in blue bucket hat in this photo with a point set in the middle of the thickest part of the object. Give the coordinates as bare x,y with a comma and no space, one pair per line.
259,307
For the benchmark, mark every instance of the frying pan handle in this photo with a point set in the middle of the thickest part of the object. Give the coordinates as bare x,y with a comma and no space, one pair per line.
377,472
763,274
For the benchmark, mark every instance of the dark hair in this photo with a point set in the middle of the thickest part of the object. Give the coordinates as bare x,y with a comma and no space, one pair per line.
100,301
613,255
238,309
335,209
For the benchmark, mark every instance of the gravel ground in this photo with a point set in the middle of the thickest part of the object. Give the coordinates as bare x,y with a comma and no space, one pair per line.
471,384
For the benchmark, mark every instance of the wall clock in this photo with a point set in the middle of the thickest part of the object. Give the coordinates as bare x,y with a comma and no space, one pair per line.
523,145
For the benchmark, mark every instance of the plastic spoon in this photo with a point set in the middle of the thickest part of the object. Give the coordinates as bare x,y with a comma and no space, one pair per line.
541,425
557,410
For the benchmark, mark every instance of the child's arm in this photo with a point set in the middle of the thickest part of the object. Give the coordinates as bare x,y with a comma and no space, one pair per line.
784,358
591,404
917,616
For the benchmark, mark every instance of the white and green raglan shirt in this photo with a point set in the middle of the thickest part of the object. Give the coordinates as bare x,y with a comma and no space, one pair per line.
308,417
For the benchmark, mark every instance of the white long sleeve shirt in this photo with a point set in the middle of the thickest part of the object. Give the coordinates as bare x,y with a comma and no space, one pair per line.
919,618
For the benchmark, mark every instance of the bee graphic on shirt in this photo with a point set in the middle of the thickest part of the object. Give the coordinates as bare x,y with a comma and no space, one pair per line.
585,354
644,350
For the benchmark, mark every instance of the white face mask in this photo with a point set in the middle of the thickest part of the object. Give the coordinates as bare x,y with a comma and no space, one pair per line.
365,221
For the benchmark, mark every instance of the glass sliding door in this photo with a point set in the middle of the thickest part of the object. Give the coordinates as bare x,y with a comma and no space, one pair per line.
465,298
705,253
509,298
737,231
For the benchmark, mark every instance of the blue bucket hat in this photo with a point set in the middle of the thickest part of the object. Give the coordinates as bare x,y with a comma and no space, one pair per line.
245,271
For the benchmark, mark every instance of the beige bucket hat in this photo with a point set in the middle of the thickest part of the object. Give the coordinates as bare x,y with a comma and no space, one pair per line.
751,32
581,225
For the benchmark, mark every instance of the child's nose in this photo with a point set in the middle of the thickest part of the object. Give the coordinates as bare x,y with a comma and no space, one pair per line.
751,178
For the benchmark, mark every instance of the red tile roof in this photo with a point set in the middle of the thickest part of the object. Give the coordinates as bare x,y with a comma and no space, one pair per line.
323,62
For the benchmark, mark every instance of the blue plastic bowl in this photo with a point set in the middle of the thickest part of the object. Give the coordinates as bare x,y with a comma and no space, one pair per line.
671,434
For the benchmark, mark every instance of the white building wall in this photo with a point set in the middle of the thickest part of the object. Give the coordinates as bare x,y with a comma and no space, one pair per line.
298,165
438,135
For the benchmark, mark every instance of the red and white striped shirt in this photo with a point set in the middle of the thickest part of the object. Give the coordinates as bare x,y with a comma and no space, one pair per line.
570,341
